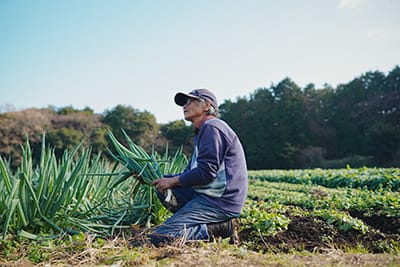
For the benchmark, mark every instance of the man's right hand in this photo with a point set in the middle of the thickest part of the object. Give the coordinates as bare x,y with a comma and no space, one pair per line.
163,184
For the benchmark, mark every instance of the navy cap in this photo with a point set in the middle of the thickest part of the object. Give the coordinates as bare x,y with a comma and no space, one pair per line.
181,98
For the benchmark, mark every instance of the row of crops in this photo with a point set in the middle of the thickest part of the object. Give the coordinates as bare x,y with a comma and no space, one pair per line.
364,178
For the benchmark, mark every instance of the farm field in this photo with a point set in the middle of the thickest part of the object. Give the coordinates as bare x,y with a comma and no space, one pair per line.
315,210
83,210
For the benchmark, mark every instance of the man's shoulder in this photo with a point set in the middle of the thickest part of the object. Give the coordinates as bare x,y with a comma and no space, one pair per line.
216,122
221,126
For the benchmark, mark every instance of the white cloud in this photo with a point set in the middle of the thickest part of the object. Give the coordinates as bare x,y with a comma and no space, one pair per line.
350,3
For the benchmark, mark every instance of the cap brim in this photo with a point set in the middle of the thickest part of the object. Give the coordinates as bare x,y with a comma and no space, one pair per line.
181,98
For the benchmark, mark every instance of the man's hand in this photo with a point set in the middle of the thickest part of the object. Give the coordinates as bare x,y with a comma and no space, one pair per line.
165,183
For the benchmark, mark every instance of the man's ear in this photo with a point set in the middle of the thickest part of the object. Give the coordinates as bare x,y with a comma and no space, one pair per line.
208,105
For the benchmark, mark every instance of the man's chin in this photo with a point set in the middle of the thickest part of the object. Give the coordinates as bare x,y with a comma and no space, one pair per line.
186,116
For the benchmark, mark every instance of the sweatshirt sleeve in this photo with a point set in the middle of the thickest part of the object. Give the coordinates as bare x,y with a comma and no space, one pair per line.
210,155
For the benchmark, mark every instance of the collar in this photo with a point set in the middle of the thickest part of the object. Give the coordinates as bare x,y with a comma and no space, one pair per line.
200,123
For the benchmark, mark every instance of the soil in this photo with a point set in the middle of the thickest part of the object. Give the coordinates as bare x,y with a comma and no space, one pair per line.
314,235
306,233
387,225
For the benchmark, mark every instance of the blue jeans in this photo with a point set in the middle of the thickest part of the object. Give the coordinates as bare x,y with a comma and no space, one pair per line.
190,220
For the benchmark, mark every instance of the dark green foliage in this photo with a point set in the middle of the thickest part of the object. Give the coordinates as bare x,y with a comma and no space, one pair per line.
287,127
179,135
140,126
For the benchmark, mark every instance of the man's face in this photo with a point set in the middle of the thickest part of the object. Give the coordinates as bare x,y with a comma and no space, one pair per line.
195,109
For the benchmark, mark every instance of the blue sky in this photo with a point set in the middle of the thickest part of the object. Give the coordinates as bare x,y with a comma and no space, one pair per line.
98,54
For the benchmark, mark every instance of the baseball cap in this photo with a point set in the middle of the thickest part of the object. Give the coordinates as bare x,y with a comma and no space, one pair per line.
181,98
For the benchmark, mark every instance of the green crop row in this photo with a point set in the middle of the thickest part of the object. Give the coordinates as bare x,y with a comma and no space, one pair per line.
368,178
311,197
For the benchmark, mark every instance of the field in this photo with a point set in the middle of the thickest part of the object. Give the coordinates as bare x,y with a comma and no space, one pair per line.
85,211
315,210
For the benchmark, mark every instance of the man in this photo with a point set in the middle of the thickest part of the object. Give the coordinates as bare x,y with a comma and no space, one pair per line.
209,195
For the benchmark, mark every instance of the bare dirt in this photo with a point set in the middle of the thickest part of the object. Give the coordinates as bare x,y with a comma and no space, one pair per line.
314,235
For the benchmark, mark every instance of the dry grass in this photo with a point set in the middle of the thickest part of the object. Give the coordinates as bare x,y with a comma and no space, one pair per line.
118,252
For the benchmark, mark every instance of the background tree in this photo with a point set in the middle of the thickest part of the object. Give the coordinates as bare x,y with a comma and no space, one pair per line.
178,135
16,127
289,135
141,127
382,117
70,126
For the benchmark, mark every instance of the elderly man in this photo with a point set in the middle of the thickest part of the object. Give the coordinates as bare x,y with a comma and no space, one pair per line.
209,195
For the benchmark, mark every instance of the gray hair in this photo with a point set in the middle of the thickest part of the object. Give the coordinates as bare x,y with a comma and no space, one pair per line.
212,111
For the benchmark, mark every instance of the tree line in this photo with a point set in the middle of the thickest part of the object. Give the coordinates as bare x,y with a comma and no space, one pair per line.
281,126
357,123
